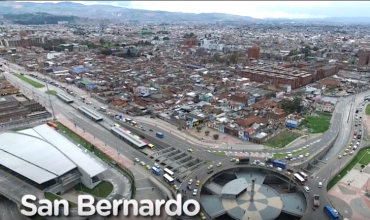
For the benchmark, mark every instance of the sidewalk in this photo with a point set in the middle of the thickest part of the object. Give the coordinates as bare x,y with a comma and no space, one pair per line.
108,151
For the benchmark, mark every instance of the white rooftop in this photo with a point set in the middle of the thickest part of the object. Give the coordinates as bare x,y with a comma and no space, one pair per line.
42,154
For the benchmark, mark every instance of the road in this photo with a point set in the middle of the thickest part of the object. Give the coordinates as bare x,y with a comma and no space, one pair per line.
342,122
10,210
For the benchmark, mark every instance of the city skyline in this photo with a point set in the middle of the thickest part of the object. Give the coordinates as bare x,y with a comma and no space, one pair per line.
267,9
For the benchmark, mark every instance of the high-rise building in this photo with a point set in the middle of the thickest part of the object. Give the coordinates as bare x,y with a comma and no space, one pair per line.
254,53
364,57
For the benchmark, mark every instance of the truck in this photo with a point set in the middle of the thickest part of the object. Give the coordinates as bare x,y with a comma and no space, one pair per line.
316,200
277,163
242,161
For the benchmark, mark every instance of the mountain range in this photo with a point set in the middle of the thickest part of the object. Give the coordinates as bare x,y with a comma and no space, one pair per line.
105,11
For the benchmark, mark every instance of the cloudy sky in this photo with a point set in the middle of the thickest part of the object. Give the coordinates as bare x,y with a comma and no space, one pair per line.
262,9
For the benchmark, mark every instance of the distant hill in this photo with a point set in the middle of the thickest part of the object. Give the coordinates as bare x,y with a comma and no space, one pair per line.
38,18
112,12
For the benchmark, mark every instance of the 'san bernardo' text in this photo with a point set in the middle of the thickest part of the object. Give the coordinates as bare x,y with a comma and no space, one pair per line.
88,207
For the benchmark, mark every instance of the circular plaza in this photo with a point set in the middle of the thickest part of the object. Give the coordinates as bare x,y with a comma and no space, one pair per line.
252,194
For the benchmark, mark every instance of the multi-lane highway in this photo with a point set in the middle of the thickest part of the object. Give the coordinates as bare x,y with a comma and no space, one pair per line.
342,123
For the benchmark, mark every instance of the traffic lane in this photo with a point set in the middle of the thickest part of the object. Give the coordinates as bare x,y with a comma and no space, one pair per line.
7,212
154,140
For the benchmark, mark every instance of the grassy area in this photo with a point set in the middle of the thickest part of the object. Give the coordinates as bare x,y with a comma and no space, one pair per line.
294,153
30,81
359,158
317,124
97,153
102,190
282,139
367,110
52,197
52,92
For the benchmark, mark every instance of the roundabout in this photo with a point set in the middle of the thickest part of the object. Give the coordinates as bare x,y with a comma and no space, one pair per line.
246,192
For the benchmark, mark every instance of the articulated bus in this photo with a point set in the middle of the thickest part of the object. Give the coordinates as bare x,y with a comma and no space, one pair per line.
299,179
303,175
125,130
169,172
168,179
151,146
52,125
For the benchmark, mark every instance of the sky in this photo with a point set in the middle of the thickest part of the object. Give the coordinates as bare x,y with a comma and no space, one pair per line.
256,9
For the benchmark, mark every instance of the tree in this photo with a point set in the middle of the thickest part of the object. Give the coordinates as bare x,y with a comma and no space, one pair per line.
292,106
102,41
215,136
316,48
199,128
166,38
156,38
207,133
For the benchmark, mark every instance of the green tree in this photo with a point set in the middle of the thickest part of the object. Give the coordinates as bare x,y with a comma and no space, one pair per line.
166,38
207,133
215,136
156,38
292,106
102,41
316,48
199,128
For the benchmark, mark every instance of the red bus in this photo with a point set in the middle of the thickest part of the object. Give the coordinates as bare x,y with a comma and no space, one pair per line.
52,125
151,146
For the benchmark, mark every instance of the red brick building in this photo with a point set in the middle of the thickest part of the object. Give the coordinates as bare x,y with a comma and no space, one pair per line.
191,42
364,57
254,53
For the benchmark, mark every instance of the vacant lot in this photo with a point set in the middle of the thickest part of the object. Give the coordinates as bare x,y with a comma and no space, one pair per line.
318,123
30,81
282,139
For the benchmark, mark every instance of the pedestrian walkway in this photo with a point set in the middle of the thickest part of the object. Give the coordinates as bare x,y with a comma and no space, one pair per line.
101,146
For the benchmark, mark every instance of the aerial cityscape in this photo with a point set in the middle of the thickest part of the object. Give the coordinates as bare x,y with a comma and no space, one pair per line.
256,114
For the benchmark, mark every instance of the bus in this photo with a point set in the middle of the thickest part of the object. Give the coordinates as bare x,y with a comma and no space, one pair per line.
332,213
169,172
299,179
168,179
159,134
277,163
156,171
125,130
303,175
151,146
52,125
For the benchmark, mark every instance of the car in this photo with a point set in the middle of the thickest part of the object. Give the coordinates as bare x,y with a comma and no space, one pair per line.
143,129
178,179
290,170
306,189
150,129
347,149
210,167
279,169
300,156
142,163
156,165
197,183
232,159
261,164
190,182
137,160
345,154
195,192
320,184
350,153
307,155
219,164
175,187
340,156
209,171
190,150
202,216
288,173
189,187
148,167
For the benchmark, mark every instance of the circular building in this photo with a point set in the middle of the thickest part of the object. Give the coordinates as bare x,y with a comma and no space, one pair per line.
252,193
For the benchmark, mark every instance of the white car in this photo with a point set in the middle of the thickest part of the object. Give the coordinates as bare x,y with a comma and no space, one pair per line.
156,165
195,192
190,182
320,184
306,189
